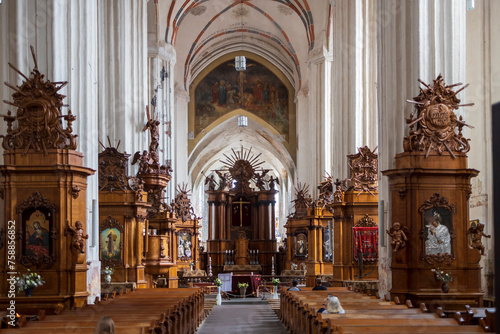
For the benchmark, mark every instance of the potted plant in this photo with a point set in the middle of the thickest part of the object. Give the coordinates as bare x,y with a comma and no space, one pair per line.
443,277
107,272
243,288
28,282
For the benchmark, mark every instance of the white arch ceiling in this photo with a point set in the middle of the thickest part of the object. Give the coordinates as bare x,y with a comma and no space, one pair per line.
227,136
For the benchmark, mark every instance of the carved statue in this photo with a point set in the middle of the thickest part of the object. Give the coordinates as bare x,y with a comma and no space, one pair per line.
398,237
182,204
477,232
211,182
223,180
259,180
272,180
78,242
143,160
325,190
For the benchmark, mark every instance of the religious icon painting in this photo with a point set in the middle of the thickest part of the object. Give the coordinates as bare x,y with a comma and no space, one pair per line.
437,231
301,245
111,242
37,229
473,224
37,235
185,246
110,239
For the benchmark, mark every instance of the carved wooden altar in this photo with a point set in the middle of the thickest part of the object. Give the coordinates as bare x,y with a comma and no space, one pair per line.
355,228
123,209
430,189
241,216
42,196
307,229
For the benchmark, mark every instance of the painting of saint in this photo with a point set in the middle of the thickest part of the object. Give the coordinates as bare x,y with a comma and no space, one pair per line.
184,246
37,234
110,242
301,245
256,90
437,226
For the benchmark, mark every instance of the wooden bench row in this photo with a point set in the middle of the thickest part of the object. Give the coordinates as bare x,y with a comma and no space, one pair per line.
176,311
364,314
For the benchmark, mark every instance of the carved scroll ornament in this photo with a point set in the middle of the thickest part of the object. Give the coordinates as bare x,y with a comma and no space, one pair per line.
364,170
113,170
38,115
433,124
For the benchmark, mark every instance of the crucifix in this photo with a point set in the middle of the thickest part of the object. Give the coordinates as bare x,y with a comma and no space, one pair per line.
241,209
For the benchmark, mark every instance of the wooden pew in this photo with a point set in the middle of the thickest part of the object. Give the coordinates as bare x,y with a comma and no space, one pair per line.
144,311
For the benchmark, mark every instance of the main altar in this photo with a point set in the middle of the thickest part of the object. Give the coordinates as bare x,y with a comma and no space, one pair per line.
241,231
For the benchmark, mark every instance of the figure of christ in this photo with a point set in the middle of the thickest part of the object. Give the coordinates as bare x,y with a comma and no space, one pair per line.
111,244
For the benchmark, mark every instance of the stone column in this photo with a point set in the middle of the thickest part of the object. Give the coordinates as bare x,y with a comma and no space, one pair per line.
354,79
161,62
122,75
416,39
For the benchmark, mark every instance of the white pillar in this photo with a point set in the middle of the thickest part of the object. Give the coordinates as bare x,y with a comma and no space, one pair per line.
417,39
161,62
122,74
181,136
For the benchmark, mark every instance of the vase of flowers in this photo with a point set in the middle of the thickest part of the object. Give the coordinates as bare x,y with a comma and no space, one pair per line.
276,283
218,284
243,289
107,272
27,282
443,277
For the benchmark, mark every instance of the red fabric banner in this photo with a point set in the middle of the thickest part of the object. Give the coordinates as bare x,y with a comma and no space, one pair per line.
366,241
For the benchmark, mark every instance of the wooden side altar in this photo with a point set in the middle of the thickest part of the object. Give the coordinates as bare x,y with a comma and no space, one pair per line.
430,189
355,227
42,197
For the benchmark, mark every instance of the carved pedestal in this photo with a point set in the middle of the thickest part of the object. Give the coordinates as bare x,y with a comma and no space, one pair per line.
424,190
43,192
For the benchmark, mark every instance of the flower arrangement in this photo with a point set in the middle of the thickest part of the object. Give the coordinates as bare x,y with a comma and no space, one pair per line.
107,271
442,276
218,282
29,281
243,285
276,281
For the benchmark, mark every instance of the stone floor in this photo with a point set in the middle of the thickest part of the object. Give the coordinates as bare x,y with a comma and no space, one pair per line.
242,316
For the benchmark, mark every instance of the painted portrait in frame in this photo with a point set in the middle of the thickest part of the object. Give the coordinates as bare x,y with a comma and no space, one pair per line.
185,246
111,239
301,245
111,236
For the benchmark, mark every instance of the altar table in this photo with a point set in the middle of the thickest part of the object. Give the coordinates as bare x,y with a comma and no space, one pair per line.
252,280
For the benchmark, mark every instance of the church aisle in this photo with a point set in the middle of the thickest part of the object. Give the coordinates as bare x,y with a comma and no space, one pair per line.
251,315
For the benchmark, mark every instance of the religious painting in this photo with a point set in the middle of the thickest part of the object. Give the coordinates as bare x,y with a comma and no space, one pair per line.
37,235
37,230
327,245
473,224
437,224
256,90
110,239
301,245
185,246
111,242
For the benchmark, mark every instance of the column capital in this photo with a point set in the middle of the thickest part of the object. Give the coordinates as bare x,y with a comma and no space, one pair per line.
162,50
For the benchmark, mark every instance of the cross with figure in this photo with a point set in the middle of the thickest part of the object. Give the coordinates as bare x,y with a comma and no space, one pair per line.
241,209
